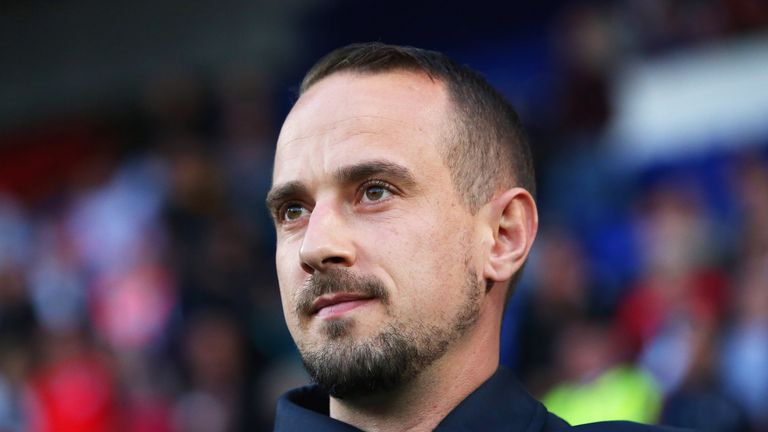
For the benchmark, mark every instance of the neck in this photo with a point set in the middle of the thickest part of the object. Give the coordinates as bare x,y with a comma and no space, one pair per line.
423,402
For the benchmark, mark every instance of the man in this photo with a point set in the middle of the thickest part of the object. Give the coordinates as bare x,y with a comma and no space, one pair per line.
402,198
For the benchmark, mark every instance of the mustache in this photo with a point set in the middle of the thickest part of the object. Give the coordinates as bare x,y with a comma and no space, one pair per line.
339,281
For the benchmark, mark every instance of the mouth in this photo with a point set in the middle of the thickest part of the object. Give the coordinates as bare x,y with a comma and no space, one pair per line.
335,305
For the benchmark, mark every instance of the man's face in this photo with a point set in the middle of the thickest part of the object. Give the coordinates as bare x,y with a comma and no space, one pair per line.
377,256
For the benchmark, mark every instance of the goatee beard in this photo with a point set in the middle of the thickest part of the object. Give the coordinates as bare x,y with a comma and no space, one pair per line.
337,281
346,367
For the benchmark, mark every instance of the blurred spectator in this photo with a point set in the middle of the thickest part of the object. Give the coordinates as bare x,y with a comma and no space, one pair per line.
56,280
745,352
18,323
560,298
698,402
678,283
219,393
73,388
594,384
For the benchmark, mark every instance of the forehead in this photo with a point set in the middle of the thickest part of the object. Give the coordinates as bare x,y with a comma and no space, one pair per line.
401,116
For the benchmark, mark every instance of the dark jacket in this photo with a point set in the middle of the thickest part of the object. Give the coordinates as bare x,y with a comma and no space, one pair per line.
500,404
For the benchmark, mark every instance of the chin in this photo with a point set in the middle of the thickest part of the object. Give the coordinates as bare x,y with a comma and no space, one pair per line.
337,328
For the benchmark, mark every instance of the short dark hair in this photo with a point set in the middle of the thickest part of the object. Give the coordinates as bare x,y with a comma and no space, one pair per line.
489,149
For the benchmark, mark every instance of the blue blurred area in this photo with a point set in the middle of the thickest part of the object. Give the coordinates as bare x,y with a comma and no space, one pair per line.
137,258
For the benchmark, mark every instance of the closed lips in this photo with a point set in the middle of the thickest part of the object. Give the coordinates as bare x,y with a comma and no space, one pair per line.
326,301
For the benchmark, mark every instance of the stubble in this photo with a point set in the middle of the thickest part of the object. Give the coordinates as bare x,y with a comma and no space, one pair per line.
347,367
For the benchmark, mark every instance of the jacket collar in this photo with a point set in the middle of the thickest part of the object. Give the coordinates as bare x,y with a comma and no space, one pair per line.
498,404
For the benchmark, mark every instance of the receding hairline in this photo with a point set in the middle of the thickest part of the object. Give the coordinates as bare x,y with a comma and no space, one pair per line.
412,80
420,74
478,112
373,58
455,116
451,118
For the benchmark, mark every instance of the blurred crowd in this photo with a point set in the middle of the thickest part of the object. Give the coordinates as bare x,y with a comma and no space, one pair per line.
138,288
137,285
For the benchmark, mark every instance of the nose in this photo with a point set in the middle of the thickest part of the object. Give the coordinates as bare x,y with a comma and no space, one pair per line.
326,242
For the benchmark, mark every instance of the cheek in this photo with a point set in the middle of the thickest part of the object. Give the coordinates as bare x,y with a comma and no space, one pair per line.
429,265
288,279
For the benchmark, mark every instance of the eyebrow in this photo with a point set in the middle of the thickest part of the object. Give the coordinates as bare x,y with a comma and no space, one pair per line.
373,168
344,175
283,192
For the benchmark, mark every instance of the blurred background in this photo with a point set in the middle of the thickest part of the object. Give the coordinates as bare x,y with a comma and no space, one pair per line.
137,285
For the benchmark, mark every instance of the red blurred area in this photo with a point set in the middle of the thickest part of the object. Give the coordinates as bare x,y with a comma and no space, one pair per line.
37,161
74,394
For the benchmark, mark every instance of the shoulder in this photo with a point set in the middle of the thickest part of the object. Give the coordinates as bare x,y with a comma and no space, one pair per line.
621,426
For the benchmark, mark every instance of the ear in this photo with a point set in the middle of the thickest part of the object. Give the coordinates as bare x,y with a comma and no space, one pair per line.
514,221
